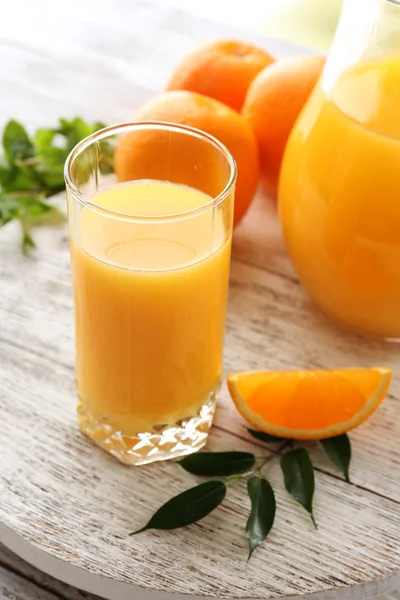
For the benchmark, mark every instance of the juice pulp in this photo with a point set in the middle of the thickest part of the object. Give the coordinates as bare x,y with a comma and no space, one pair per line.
340,198
150,302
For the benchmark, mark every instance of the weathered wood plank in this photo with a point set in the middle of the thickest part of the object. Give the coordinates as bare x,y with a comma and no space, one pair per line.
13,587
21,581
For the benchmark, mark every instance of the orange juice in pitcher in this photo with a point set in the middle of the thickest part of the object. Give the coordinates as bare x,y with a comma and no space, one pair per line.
340,181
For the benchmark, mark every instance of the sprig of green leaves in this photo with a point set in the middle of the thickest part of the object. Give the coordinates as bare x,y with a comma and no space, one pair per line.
299,480
32,169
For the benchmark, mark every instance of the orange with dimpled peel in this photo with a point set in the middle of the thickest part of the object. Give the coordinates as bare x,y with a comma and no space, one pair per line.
309,405
222,70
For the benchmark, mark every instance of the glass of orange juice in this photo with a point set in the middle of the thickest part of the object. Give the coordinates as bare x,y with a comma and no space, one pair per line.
150,208
340,179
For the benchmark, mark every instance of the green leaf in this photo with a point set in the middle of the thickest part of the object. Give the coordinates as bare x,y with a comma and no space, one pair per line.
35,207
299,480
20,180
7,173
262,515
43,139
218,464
76,129
50,169
73,130
188,507
16,142
51,177
266,437
27,209
338,450
8,208
97,125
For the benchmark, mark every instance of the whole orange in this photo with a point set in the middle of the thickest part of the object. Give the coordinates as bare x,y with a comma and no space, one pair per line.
222,70
201,112
272,105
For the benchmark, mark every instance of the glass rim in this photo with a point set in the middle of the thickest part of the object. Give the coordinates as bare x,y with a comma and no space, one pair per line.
106,132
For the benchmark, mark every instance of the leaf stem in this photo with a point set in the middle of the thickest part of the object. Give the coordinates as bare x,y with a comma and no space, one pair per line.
27,241
276,454
287,444
34,160
234,478
25,194
263,464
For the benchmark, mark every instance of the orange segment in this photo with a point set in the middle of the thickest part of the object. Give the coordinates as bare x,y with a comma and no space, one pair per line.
309,404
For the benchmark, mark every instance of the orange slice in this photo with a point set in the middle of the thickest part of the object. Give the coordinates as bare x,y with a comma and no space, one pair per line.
309,405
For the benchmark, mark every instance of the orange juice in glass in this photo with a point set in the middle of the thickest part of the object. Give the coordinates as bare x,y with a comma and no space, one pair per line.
340,180
150,265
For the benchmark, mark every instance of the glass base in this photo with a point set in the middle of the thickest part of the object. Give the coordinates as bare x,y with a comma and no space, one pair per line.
171,441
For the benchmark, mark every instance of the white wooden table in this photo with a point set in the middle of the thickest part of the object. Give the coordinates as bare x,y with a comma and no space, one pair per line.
64,505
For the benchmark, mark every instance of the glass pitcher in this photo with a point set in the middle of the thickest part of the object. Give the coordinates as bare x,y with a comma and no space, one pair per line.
340,182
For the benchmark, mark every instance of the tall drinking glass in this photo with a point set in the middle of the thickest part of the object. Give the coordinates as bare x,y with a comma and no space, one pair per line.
150,208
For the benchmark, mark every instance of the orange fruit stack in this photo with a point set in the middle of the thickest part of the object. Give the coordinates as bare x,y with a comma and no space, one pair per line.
238,93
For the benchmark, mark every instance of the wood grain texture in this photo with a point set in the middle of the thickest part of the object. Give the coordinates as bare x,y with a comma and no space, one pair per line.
70,502
20,581
85,504
16,588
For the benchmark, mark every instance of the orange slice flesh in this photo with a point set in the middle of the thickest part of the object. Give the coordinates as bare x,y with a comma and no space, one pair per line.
309,405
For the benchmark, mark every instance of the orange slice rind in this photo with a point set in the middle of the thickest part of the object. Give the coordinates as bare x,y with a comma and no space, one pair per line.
308,405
